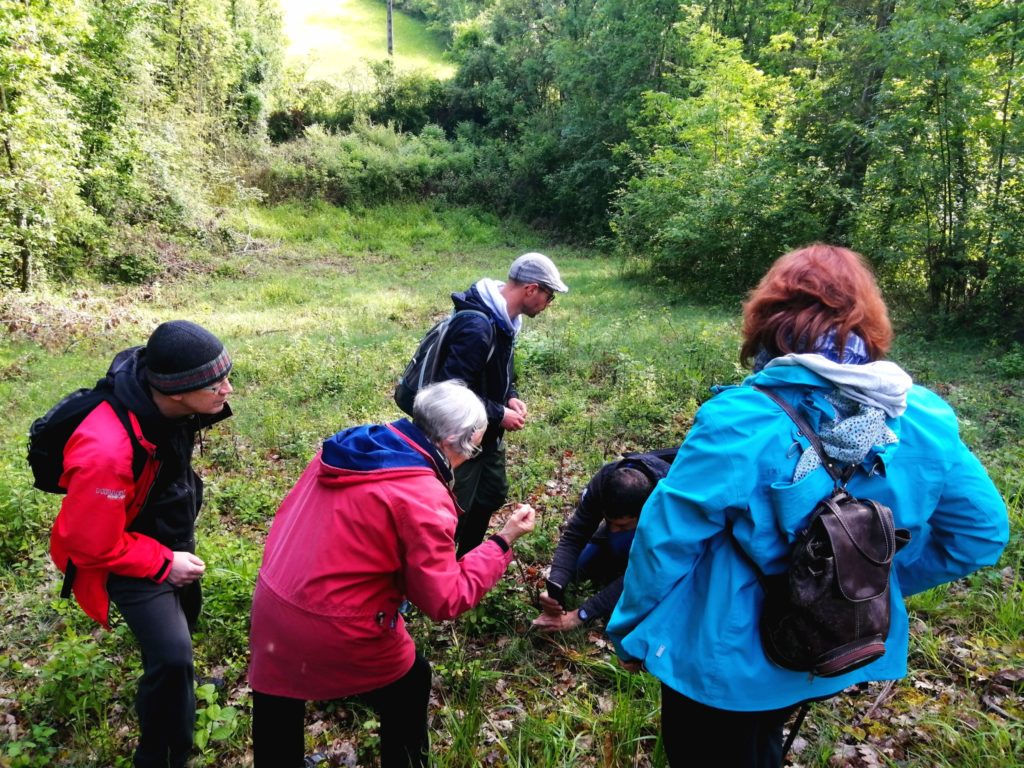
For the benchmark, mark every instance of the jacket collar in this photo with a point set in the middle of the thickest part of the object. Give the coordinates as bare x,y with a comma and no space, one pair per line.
415,435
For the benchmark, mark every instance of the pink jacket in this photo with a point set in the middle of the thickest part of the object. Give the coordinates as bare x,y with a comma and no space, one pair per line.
348,545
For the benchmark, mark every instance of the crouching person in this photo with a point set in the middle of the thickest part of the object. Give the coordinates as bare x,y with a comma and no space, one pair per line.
595,543
370,523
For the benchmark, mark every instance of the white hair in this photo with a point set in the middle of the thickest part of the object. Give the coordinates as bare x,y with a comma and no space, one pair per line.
449,412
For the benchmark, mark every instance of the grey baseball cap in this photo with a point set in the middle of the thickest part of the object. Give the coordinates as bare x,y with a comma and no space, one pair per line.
537,268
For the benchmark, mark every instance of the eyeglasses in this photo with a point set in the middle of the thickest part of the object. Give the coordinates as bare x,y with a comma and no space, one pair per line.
217,387
547,292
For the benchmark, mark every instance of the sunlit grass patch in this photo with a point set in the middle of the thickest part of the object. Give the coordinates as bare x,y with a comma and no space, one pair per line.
333,39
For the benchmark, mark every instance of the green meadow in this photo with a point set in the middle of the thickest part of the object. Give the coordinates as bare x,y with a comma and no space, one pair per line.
334,40
321,308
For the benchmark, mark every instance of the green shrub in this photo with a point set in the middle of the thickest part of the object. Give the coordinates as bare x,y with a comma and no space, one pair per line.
369,163
26,512
222,637
77,681
213,722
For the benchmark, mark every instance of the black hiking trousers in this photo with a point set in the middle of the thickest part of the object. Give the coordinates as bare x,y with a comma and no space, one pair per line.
737,739
481,487
278,736
161,617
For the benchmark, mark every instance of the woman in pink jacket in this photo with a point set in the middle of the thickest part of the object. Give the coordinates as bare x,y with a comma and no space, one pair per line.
369,524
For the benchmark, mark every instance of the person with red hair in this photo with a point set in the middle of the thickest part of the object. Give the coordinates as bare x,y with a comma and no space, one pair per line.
745,481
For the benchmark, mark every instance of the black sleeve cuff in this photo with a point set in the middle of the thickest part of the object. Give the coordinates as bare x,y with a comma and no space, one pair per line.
497,539
163,569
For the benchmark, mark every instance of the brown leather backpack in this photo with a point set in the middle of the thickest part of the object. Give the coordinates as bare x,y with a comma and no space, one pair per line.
828,613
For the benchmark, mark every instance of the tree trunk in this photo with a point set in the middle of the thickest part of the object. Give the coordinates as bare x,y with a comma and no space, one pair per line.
1004,130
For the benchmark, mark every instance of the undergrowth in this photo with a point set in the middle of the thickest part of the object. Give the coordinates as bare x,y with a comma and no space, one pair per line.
320,308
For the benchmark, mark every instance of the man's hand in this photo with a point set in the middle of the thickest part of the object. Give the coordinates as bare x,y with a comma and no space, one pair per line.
563,620
550,606
185,568
513,421
517,405
519,522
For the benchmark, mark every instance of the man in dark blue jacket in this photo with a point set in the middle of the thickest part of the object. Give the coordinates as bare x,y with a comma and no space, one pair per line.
595,542
478,350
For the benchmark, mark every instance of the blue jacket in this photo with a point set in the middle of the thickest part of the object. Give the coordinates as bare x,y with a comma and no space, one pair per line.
691,603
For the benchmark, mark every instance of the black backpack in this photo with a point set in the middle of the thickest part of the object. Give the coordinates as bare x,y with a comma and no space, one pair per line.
828,614
422,368
50,433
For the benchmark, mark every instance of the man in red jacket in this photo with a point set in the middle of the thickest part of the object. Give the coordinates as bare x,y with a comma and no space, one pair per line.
130,538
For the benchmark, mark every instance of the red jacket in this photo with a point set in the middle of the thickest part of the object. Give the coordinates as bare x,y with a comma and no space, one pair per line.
348,545
103,499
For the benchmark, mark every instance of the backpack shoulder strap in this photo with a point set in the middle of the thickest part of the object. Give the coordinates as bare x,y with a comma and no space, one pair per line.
490,326
840,476
139,453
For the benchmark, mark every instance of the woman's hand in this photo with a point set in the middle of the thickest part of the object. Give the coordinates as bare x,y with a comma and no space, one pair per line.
519,522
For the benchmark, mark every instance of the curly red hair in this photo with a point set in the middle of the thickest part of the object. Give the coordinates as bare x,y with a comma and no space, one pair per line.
809,292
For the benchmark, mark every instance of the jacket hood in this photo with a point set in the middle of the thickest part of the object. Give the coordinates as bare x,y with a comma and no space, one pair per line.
869,435
483,296
880,384
361,454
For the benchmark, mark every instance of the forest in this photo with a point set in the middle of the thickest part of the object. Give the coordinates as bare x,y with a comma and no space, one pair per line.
166,158
694,141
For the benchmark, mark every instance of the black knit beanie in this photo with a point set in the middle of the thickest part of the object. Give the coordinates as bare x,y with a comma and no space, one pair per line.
182,356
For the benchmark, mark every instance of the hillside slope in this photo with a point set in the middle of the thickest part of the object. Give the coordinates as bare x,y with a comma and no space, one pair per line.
333,39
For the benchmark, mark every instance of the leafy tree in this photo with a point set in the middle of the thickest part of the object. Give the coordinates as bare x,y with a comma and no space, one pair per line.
120,118
701,204
41,214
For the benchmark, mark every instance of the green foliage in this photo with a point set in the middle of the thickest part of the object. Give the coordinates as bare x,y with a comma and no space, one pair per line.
231,568
213,722
370,163
702,206
26,512
119,116
40,210
35,749
463,711
76,680
1011,363
409,101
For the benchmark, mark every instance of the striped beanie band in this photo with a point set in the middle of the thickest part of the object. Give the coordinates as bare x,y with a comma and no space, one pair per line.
182,357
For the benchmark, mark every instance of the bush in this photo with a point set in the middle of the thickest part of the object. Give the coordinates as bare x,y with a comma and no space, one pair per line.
371,163
26,512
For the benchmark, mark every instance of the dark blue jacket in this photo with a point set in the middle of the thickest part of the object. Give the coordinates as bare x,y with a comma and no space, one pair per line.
465,357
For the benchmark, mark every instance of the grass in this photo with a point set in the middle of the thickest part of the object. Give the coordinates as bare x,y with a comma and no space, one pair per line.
333,40
321,308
